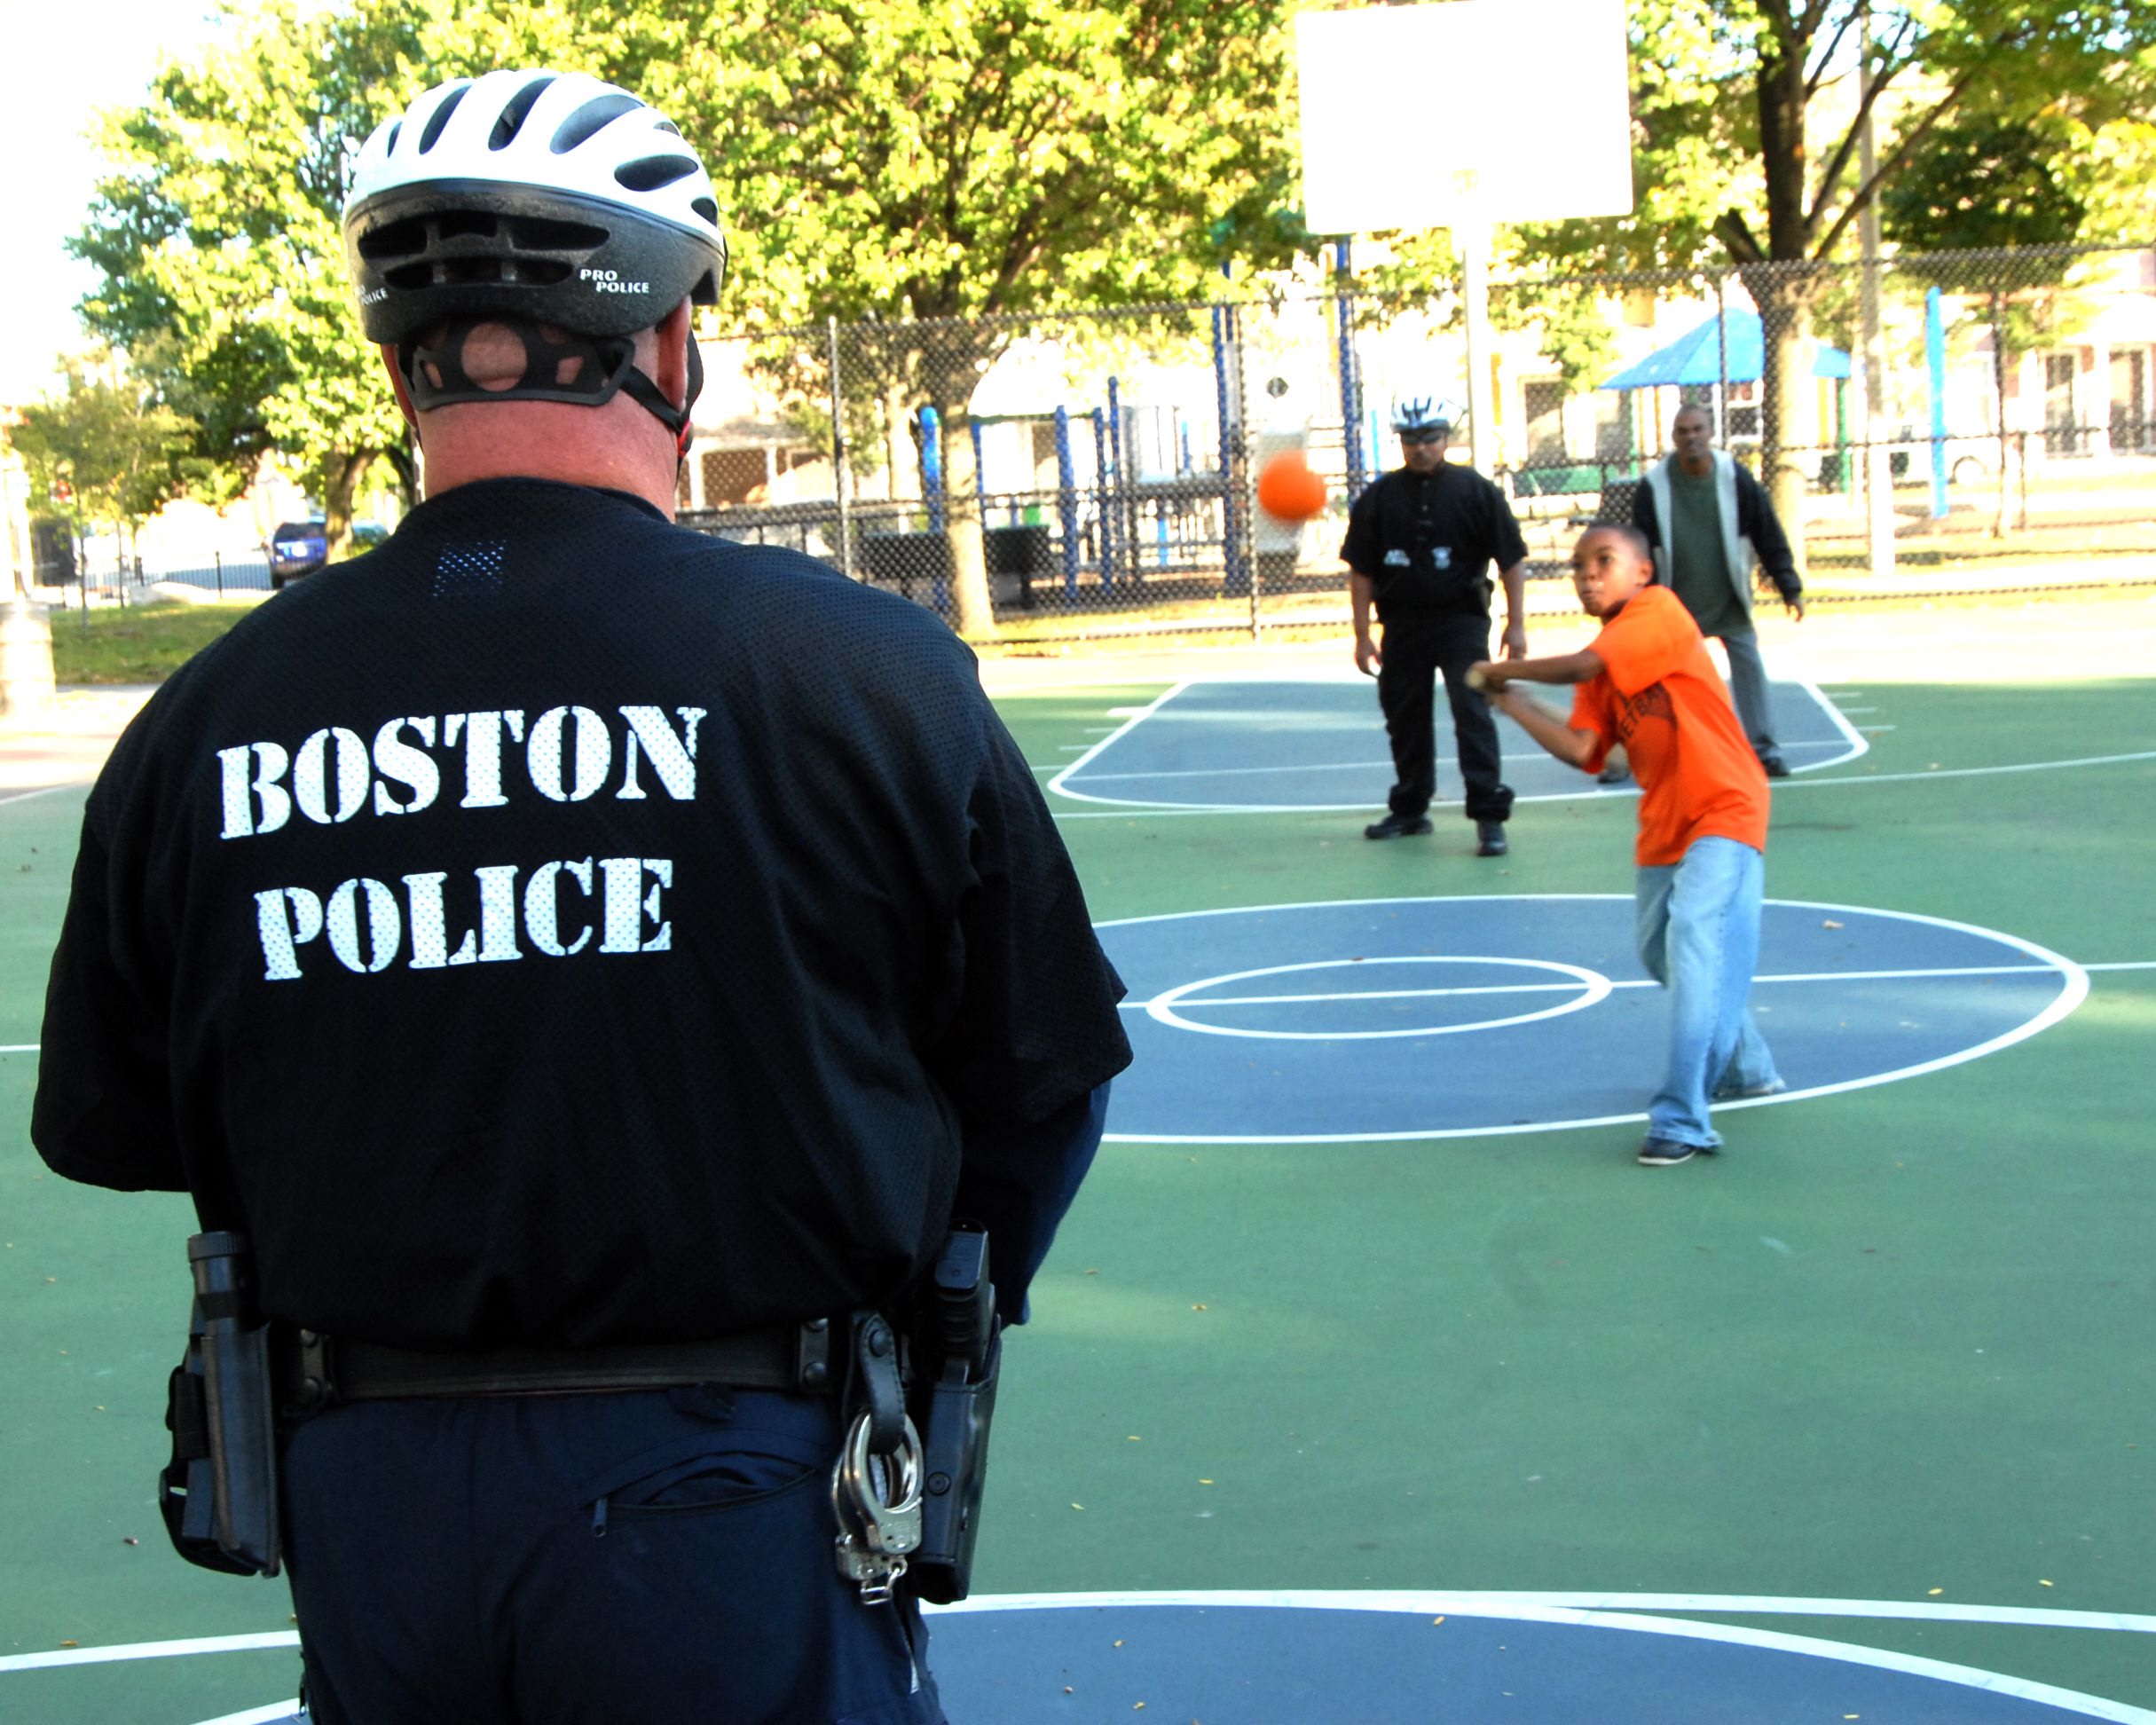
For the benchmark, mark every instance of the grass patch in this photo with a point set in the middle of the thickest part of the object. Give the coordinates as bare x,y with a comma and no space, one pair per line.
142,644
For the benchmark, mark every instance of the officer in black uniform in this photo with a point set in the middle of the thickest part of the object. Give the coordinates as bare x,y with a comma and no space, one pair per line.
1420,543
591,962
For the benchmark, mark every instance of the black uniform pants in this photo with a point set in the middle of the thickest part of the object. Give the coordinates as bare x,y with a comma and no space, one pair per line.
645,1558
1413,652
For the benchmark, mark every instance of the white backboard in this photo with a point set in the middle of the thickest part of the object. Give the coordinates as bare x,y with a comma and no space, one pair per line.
1464,112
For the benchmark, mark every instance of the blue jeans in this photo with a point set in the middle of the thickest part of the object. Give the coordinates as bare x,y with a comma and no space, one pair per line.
1699,937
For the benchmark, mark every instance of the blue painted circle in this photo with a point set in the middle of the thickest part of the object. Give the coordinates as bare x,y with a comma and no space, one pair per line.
1281,1666
1420,1017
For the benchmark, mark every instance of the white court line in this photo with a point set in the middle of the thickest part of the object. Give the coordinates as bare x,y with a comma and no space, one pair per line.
157,1650
1594,1612
2074,990
1852,739
1796,780
1546,987
1573,988
1494,1603
25,796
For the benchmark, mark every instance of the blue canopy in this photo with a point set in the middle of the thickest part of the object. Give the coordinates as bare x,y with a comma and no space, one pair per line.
1694,357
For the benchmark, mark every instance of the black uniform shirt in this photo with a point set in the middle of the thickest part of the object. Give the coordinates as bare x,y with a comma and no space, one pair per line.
1426,540
568,928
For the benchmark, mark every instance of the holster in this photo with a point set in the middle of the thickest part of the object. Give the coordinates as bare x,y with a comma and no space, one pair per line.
960,1348
218,1493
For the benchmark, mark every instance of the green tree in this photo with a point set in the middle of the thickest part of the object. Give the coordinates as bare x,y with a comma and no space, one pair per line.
216,237
1747,128
104,450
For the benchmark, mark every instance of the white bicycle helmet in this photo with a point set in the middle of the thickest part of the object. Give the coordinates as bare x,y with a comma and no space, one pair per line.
1423,410
550,196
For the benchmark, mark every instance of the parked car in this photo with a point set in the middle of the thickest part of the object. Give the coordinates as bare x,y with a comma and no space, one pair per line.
297,548
300,547
1968,459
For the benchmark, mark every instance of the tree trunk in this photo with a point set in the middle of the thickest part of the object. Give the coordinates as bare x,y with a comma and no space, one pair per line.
972,614
342,472
1785,327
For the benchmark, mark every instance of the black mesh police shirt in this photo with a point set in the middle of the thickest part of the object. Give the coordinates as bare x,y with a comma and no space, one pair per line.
568,929
1426,540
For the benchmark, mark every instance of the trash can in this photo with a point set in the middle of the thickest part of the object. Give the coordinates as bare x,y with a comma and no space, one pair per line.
1024,551
902,559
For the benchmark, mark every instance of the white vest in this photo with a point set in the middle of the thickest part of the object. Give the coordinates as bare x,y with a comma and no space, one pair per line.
1738,557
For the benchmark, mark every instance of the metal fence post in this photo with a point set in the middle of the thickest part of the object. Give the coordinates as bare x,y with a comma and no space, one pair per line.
1232,575
839,477
1350,383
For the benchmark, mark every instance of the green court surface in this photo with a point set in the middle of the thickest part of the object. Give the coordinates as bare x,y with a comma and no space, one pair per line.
1878,1374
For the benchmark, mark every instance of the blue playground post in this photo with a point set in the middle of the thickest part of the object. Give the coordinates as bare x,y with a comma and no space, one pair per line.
1067,500
981,468
1100,500
1935,357
1349,384
932,478
932,466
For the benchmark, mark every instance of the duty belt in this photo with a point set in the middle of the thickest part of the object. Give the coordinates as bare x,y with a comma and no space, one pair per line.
318,1371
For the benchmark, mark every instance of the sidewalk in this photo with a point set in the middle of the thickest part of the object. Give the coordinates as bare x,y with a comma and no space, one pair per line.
72,743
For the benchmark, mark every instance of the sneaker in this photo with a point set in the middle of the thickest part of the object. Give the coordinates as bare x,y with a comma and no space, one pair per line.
1666,1153
1728,1092
1490,839
1397,826
1776,768
1616,773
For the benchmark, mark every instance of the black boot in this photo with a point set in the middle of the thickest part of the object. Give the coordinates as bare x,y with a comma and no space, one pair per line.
1490,837
1397,826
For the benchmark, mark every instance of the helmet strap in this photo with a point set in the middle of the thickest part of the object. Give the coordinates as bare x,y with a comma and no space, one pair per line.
585,371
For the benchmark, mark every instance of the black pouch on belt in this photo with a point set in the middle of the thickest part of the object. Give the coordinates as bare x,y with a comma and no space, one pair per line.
954,1401
218,1493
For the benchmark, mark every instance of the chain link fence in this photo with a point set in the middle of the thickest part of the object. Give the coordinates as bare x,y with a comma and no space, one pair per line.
1956,423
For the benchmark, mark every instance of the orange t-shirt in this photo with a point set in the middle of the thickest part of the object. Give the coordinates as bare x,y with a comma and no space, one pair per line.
1660,697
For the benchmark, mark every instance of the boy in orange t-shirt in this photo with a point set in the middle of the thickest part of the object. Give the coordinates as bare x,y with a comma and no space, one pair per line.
1646,682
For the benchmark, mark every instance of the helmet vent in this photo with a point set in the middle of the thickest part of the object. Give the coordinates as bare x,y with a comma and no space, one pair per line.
439,118
464,223
649,173
395,132
706,208
538,233
513,117
588,119
396,240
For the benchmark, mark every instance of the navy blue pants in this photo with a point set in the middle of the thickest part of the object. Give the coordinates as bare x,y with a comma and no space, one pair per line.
654,1556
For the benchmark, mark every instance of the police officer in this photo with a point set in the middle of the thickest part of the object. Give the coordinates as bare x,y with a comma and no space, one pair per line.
1420,543
591,962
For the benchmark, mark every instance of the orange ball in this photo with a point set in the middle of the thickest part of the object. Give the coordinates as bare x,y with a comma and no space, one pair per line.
1287,489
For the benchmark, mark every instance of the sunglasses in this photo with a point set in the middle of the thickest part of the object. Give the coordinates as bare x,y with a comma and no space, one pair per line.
1424,437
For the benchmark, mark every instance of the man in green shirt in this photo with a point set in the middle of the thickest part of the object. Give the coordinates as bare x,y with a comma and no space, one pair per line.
1709,522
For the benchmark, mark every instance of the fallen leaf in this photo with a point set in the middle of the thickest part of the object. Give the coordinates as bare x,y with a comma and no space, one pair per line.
1077,1506
1208,1482
1092,1272
131,1539
1118,1643
1830,923
2042,1583
1199,1307
1937,1591
71,1643
1435,1621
